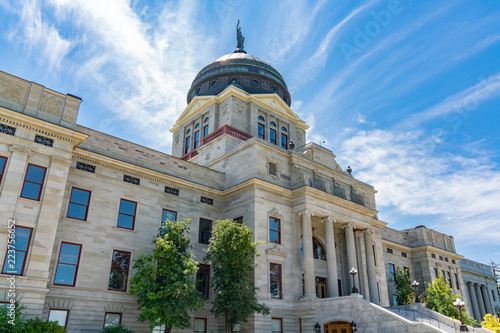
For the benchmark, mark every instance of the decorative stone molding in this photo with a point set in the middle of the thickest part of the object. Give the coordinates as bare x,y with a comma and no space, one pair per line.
369,231
329,219
11,91
275,213
51,105
20,149
306,211
348,225
276,250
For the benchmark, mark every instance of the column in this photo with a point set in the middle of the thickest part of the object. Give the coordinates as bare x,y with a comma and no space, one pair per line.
370,263
480,301
475,308
309,278
486,297
351,251
331,258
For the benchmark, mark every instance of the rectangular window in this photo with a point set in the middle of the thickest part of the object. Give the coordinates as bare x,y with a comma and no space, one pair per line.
126,214
394,299
277,325
378,291
203,280
85,167
3,162
239,220
196,139
78,204
7,129
284,141
205,131
33,182
59,315
67,264
445,259
275,280
456,281
340,287
448,278
433,255
188,145
200,325
274,230
119,271
374,255
17,251
407,271
435,272
492,294
389,250
404,254
112,319
392,272
272,136
262,130
205,231
168,215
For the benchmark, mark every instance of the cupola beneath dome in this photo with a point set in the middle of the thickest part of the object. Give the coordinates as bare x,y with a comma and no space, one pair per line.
243,70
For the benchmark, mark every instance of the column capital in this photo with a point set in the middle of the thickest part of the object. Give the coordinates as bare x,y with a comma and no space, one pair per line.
24,150
329,219
369,231
306,211
348,225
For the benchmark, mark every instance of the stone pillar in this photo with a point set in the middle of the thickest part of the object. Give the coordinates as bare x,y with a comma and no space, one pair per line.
480,301
331,258
370,263
309,278
475,307
351,252
486,297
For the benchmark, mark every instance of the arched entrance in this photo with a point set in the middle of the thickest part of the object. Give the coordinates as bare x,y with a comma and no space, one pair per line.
337,327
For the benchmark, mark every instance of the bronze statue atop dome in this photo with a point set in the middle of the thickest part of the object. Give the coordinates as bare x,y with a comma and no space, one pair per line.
240,39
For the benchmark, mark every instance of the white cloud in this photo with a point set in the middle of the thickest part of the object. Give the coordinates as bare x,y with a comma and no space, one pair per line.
463,192
37,35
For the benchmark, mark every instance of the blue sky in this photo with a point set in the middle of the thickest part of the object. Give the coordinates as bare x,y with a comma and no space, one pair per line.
405,92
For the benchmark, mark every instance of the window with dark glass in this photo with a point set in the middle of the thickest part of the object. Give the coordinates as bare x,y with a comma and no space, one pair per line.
3,162
262,130
448,278
168,215
274,230
119,271
392,272
203,280
442,272
17,251
318,250
126,214
276,325
320,287
284,141
112,319
456,281
272,136
33,182
200,325
435,272
196,139
239,220
67,264
78,204
492,294
59,315
205,231
205,130
188,145
275,280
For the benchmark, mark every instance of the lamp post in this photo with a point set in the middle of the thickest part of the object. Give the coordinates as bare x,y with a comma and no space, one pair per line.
317,328
415,284
459,304
353,272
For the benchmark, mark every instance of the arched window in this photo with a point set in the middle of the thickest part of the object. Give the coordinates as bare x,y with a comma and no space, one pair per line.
273,124
197,125
318,250
262,128
188,131
283,128
272,133
206,120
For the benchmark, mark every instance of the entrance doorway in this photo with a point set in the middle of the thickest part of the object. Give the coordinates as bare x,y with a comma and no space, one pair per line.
320,287
338,327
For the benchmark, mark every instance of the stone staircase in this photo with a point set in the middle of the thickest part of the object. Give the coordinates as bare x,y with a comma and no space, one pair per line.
419,313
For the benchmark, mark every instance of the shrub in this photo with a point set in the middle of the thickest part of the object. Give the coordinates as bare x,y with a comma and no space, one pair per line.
117,329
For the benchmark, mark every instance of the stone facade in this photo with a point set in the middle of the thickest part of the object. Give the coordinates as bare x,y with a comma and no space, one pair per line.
232,173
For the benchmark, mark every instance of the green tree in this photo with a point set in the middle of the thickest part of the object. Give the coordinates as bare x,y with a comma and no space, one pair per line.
439,297
231,254
116,329
165,280
491,322
405,293
495,268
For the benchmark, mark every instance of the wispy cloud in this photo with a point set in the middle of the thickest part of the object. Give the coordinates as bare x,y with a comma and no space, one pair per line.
416,181
38,35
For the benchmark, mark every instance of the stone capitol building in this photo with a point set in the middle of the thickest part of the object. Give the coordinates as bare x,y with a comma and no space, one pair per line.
86,204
